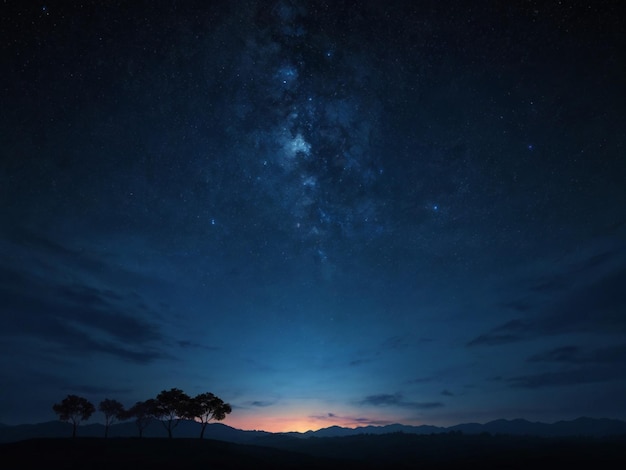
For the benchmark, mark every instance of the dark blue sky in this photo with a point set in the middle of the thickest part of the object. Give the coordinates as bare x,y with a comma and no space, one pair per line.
323,212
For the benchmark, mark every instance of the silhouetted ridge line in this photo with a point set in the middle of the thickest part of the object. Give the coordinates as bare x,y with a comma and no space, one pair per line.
584,427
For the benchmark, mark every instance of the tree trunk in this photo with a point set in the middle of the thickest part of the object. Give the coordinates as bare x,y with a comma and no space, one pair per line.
106,431
73,430
169,432
202,430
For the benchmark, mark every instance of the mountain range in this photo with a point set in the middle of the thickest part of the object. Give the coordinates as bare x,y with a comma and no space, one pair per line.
580,427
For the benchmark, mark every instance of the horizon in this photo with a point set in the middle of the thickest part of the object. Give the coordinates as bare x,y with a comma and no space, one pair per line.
324,213
282,425
129,421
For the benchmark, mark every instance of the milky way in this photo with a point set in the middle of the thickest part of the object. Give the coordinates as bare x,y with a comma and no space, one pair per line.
305,119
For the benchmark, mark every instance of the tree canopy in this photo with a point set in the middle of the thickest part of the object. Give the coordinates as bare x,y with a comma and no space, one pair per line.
142,412
74,409
112,410
170,407
205,407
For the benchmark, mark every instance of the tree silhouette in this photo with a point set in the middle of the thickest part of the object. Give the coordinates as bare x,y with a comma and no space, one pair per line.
74,409
206,407
170,407
112,410
142,412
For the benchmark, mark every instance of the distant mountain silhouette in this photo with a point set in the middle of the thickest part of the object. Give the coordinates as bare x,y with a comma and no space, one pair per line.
581,427
337,431
584,427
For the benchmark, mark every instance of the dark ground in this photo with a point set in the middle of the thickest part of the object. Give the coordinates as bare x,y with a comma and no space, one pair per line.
154,454
398,451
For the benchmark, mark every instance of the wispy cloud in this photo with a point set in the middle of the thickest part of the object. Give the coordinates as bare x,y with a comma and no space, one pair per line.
349,420
566,377
422,380
359,362
191,345
577,365
390,344
509,332
262,404
592,307
578,355
397,400
79,318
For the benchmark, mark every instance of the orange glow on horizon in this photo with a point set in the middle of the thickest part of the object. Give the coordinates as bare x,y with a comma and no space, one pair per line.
293,423
282,424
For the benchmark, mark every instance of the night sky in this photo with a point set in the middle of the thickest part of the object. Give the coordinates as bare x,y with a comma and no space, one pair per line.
330,212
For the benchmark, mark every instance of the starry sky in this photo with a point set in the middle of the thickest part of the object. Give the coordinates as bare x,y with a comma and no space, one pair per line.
324,212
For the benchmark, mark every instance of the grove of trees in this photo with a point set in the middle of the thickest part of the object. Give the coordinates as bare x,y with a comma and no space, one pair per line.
169,407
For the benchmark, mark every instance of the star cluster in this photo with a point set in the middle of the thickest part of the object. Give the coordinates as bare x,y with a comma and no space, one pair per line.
315,152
